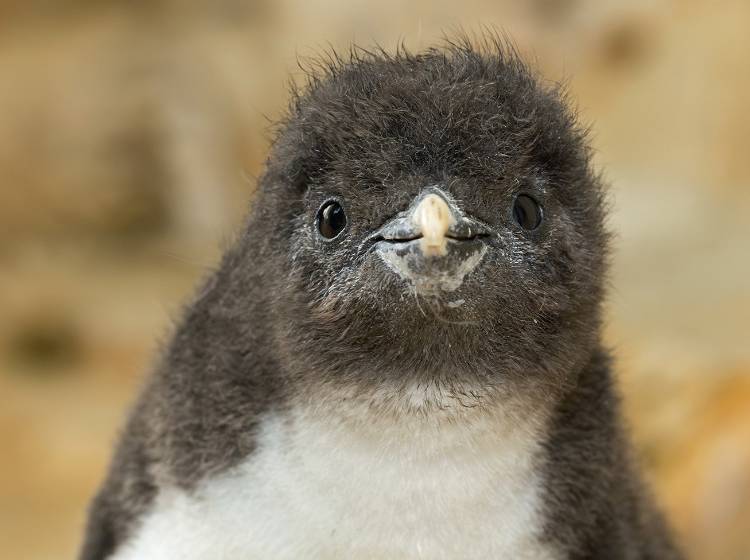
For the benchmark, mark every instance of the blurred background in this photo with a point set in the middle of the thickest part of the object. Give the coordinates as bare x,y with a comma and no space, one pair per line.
131,135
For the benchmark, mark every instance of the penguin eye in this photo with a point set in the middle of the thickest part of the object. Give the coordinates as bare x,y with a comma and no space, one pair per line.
331,219
527,212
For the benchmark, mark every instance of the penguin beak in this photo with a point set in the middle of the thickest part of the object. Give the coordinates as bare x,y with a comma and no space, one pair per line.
433,219
432,244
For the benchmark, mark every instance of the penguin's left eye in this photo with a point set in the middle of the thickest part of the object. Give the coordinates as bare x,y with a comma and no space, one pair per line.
331,219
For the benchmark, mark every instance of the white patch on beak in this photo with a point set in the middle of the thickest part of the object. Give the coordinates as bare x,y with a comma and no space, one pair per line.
433,217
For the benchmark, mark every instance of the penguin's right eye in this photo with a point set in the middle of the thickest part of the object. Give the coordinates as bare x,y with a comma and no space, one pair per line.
331,219
527,212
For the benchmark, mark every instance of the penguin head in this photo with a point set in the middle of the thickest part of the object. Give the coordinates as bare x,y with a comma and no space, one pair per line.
431,216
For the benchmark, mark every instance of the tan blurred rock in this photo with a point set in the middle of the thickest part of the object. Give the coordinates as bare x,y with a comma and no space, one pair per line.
110,127
701,459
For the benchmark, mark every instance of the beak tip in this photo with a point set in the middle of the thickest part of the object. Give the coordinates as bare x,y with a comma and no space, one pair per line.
433,247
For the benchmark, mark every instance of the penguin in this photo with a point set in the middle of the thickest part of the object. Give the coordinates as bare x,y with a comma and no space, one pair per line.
400,356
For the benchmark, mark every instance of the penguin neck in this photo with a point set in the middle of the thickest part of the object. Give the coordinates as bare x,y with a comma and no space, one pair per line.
419,421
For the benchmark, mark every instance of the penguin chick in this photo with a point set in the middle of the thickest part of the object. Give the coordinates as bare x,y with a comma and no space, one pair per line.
400,357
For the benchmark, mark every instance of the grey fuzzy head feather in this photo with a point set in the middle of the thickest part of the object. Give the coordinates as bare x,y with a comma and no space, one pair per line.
372,132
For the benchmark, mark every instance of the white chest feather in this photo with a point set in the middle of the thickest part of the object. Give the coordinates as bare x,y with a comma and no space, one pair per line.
321,489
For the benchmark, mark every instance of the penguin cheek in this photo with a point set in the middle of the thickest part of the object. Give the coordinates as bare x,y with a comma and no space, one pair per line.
431,274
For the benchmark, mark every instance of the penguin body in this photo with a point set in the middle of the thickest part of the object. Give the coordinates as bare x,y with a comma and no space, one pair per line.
400,356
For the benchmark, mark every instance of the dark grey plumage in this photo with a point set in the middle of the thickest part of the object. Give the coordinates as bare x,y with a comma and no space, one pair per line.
288,313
